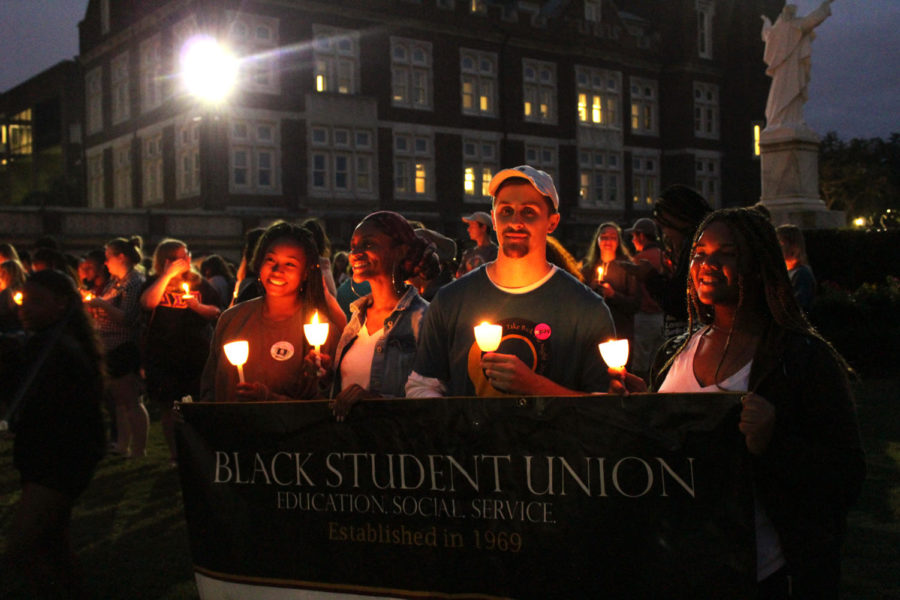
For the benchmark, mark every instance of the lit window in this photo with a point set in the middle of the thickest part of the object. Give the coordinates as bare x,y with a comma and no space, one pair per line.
479,166
644,106
600,179
478,82
599,97
539,91
336,59
413,165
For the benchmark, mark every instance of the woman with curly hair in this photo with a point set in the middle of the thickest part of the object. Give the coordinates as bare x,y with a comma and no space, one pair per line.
376,350
748,334
278,367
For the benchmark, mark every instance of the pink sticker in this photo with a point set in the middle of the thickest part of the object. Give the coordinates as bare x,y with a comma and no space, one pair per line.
542,331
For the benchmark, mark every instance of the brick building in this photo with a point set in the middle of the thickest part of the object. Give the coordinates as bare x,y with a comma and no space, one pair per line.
348,106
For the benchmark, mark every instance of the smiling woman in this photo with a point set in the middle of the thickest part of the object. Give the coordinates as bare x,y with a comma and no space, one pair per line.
280,365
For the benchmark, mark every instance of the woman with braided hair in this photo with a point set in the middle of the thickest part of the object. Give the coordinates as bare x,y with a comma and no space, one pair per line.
747,333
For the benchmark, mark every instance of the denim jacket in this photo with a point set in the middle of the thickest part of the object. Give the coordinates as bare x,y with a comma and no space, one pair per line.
394,352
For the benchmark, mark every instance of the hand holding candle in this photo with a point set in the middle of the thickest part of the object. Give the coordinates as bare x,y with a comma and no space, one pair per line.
237,353
600,273
488,336
187,291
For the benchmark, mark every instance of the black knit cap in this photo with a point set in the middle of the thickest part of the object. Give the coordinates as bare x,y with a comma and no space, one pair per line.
683,204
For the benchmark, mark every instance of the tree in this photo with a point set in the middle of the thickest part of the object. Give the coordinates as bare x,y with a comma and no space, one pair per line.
861,177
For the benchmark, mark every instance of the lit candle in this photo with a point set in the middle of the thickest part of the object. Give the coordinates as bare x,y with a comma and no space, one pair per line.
237,353
88,297
488,336
600,273
17,298
187,291
615,353
316,333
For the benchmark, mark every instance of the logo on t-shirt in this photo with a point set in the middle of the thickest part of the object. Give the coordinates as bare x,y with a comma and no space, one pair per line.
542,331
521,338
282,350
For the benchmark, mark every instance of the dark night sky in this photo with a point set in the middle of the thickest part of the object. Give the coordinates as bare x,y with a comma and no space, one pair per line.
855,87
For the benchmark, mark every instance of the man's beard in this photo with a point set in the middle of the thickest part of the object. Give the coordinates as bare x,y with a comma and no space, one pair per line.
516,249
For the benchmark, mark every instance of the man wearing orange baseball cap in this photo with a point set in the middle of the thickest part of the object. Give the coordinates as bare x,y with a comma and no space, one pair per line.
551,323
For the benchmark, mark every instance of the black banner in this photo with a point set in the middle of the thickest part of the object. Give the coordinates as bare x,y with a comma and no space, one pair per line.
597,496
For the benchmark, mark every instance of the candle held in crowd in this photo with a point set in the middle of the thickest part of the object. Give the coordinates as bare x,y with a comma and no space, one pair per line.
187,291
615,353
488,336
236,353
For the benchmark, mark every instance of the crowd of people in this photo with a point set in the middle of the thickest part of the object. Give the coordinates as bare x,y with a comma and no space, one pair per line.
401,303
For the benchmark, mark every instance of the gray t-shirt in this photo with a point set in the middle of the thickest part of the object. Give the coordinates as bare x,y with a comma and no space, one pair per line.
554,329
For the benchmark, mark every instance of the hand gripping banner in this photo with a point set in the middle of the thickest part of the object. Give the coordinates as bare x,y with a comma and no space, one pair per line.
594,496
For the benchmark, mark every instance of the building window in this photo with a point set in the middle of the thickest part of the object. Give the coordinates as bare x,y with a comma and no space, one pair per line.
479,82
539,91
93,86
479,165
543,157
255,39
478,7
122,176
413,165
181,33
151,73
599,97
255,151
96,197
644,179
704,28
706,178
644,107
592,11
20,134
187,159
706,110
411,74
600,179
336,59
119,88
342,161
152,168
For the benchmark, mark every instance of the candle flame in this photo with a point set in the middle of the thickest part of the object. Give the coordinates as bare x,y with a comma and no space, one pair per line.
17,298
488,336
316,332
186,288
600,273
237,352
615,353
315,319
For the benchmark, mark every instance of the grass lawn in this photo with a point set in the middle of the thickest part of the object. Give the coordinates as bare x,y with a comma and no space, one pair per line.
129,531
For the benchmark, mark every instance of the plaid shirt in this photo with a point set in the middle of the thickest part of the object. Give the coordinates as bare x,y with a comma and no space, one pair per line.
124,294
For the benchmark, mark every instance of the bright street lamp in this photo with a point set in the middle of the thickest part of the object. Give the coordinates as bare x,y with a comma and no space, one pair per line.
208,69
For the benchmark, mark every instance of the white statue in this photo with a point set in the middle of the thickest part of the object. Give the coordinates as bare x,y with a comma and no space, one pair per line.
787,56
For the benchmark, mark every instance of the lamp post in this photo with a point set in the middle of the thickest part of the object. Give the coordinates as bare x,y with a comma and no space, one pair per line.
209,72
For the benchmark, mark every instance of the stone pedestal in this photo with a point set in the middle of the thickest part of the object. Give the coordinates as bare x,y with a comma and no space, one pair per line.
790,179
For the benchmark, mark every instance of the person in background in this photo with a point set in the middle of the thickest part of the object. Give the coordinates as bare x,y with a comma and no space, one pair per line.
375,353
246,285
446,254
219,274
117,313
59,435
340,267
798,417
92,272
278,365
546,350
677,212
12,280
317,229
8,252
793,248
607,270
559,256
649,321
479,228
177,332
